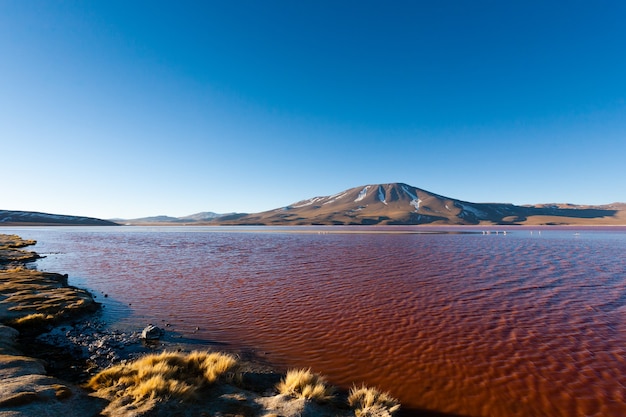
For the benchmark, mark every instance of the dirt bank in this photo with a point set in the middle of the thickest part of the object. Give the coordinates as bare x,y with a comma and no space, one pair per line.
30,300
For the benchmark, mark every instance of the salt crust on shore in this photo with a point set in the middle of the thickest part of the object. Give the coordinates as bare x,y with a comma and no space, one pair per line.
31,299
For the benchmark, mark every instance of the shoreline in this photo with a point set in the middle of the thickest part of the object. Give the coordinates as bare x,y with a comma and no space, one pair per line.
46,364
29,301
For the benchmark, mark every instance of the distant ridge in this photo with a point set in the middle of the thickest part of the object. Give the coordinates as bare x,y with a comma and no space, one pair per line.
373,204
403,204
203,216
200,218
9,217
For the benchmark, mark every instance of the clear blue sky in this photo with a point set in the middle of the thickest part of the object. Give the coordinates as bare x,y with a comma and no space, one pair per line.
129,109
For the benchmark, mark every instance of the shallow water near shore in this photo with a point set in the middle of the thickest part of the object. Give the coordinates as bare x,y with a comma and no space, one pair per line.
527,323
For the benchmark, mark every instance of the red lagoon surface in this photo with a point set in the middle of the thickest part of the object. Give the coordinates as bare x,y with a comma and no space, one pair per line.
527,323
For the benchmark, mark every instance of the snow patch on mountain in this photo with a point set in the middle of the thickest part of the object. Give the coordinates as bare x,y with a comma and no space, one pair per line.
381,195
406,190
415,202
335,197
308,202
473,210
362,194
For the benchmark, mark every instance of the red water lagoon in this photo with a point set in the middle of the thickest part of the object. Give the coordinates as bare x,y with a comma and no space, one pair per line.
464,321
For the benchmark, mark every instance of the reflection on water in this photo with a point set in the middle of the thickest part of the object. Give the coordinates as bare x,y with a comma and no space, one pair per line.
481,325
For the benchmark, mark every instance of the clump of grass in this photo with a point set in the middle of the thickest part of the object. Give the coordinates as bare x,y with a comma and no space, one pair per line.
34,320
27,293
14,269
14,241
166,375
369,401
302,383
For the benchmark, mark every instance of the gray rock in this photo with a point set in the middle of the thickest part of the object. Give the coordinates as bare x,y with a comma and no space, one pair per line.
151,333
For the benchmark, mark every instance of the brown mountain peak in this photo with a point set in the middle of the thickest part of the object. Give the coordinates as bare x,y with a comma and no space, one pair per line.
400,203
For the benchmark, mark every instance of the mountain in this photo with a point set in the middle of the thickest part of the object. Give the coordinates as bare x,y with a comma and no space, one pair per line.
204,216
402,204
198,218
9,217
152,219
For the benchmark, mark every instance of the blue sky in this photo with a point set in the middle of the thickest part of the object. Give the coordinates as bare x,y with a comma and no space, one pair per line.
129,109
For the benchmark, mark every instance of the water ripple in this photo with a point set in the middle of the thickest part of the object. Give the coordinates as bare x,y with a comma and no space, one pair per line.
515,325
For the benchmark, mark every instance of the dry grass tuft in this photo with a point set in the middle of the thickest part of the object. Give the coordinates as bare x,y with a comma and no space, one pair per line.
33,298
14,241
36,319
367,401
302,383
166,375
61,392
15,269
10,252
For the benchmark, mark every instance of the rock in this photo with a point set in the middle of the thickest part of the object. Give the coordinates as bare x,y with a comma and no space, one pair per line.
25,390
151,333
42,395
8,340
12,366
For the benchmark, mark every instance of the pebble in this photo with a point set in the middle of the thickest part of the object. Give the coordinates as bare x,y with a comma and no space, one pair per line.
90,340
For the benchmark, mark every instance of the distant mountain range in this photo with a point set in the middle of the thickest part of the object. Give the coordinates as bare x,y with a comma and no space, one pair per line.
203,217
8,217
402,204
383,204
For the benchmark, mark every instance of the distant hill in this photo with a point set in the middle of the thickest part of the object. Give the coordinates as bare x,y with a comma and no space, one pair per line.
383,204
200,218
8,217
152,219
402,204
204,216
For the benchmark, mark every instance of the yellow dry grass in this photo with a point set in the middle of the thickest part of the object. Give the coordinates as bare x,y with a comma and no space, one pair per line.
14,241
166,375
29,297
302,383
365,400
34,319
10,252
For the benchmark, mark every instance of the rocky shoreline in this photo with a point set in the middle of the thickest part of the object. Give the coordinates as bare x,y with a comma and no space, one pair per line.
52,343
29,301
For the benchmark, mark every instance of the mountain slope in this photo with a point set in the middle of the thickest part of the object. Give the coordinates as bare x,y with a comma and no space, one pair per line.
198,218
203,216
9,217
399,203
